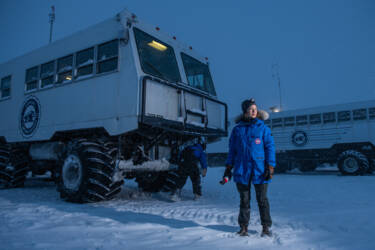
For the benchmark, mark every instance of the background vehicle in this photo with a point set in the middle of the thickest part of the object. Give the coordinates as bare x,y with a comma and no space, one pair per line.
338,134
117,100
341,134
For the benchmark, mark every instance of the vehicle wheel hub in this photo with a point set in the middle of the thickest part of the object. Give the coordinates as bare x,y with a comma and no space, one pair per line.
72,172
351,165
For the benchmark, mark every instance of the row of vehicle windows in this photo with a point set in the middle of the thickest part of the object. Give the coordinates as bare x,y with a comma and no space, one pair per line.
85,63
157,58
5,87
329,117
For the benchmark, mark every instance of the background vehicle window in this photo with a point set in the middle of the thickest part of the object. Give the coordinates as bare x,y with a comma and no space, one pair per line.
371,112
278,122
5,87
343,116
315,119
359,114
289,121
329,117
301,119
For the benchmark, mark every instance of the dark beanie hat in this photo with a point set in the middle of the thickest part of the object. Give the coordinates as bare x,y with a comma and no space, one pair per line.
247,103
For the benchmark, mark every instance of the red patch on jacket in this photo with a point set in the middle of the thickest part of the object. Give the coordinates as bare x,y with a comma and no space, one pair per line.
257,141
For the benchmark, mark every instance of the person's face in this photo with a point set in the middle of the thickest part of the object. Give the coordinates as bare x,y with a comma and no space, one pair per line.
252,111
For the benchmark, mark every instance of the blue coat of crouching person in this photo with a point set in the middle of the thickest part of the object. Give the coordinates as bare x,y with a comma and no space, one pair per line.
252,157
190,158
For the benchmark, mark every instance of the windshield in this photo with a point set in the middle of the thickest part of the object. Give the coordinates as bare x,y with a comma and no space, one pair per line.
156,58
198,74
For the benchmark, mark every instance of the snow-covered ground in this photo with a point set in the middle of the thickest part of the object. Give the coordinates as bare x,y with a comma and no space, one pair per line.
316,211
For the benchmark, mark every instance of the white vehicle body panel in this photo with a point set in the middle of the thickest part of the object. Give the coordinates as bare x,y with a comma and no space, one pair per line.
89,103
325,135
110,100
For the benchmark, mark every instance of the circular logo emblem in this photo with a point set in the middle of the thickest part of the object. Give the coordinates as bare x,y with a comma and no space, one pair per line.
30,116
299,138
257,141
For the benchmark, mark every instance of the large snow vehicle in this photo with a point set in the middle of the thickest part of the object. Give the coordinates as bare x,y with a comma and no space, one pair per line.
341,134
117,100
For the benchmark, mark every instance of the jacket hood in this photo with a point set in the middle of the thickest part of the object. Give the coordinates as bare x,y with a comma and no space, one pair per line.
262,115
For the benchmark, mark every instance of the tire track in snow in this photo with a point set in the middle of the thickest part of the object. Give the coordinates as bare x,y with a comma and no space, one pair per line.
222,219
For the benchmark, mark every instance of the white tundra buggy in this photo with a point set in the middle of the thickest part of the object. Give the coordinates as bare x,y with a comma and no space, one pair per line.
117,100
341,134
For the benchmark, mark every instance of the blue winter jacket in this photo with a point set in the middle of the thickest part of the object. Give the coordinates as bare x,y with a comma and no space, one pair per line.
251,148
199,154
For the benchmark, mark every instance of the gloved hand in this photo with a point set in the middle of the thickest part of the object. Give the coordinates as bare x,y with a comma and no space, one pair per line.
227,175
268,173
204,172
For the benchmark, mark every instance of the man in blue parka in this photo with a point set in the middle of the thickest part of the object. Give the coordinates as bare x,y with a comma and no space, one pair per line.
252,157
190,158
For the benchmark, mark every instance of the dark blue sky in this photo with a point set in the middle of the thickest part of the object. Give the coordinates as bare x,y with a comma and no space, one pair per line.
325,49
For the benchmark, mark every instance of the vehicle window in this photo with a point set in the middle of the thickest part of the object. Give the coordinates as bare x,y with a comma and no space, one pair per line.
315,119
289,121
5,87
343,116
31,80
278,122
329,117
65,69
107,57
371,112
301,120
359,114
156,57
84,62
47,72
198,74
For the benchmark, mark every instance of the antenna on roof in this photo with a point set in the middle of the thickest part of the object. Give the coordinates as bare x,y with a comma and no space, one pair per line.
276,76
51,20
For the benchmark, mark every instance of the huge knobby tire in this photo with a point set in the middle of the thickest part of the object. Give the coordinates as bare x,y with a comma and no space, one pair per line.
352,162
151,182
172,180
87,173
117,181
13,167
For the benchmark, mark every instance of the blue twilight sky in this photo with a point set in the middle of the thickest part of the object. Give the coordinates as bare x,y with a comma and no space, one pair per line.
325,49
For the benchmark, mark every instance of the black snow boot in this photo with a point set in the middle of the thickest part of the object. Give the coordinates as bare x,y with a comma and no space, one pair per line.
266,232
243,231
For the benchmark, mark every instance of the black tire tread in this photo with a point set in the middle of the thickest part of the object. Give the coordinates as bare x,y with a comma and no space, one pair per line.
364,164
115,188
98,167
16,158
171,181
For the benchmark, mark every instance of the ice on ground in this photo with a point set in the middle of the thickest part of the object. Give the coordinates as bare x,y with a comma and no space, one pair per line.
308,211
